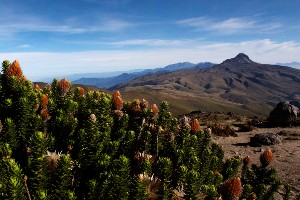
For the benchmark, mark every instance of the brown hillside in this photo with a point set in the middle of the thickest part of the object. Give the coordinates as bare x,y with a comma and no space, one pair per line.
238,85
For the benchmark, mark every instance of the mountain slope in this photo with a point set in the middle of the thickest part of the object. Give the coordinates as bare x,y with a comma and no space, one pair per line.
125,77
237,84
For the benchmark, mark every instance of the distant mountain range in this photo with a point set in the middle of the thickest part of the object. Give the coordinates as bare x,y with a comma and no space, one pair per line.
239,85
292,64
107,82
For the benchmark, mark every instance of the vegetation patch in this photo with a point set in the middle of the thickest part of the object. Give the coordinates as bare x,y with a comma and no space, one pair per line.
59,143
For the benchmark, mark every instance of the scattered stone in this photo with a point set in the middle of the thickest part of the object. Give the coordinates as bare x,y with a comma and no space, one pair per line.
284,114
256,122
265,139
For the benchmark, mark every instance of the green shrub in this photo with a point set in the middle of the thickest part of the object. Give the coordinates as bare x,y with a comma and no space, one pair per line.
71,145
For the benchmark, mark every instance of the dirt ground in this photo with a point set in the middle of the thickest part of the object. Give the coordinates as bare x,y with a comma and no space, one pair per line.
286,154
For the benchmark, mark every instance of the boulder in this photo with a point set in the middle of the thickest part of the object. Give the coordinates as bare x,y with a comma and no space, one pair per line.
264,139
284,114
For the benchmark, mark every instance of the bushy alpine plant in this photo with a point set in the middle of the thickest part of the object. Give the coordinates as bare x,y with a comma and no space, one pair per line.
60,142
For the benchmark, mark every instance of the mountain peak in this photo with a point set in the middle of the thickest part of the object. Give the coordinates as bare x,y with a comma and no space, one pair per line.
240,58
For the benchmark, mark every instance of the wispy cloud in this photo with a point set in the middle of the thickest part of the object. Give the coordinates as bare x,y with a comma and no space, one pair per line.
112,25
109,25
113,2
227,26
24,46
13,22
153,42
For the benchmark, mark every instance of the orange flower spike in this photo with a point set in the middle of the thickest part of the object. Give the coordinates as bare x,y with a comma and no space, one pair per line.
117,101
117,94
63,86
15,70
135,106
231,189
216,172
195,126
154,109
266,158
37,87
45,114
81,91
44,101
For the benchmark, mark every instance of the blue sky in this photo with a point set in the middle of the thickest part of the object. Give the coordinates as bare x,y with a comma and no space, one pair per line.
61,37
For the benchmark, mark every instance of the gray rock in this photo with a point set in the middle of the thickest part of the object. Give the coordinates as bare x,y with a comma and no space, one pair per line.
265,139
284,114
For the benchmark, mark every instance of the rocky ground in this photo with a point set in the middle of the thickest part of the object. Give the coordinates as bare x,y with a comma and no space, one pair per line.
287,153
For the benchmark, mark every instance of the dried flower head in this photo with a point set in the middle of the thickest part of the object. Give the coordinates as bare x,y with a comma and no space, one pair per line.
93,118
216,172
185,120
52,159
118,114
172,136
44,100
139,156
70,147
208,130
246,161
253,196
144,104
15,70
195,126
48,86
266,158
63,86
45,114
154,109
152,185
160,130
231,189
141,177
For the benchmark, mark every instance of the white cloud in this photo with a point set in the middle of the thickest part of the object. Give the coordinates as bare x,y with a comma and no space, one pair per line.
24,46
227,26
12,22
112,25
41,64
109,25
152,42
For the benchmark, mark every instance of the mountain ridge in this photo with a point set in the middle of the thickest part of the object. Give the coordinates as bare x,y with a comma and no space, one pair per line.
243,84
125,77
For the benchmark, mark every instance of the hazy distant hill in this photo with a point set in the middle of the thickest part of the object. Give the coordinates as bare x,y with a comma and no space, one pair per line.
125,77
237,84
292,64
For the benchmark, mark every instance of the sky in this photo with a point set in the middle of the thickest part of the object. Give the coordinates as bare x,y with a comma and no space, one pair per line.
60,37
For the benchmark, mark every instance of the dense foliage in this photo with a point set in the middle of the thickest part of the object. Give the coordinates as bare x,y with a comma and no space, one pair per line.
59,144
